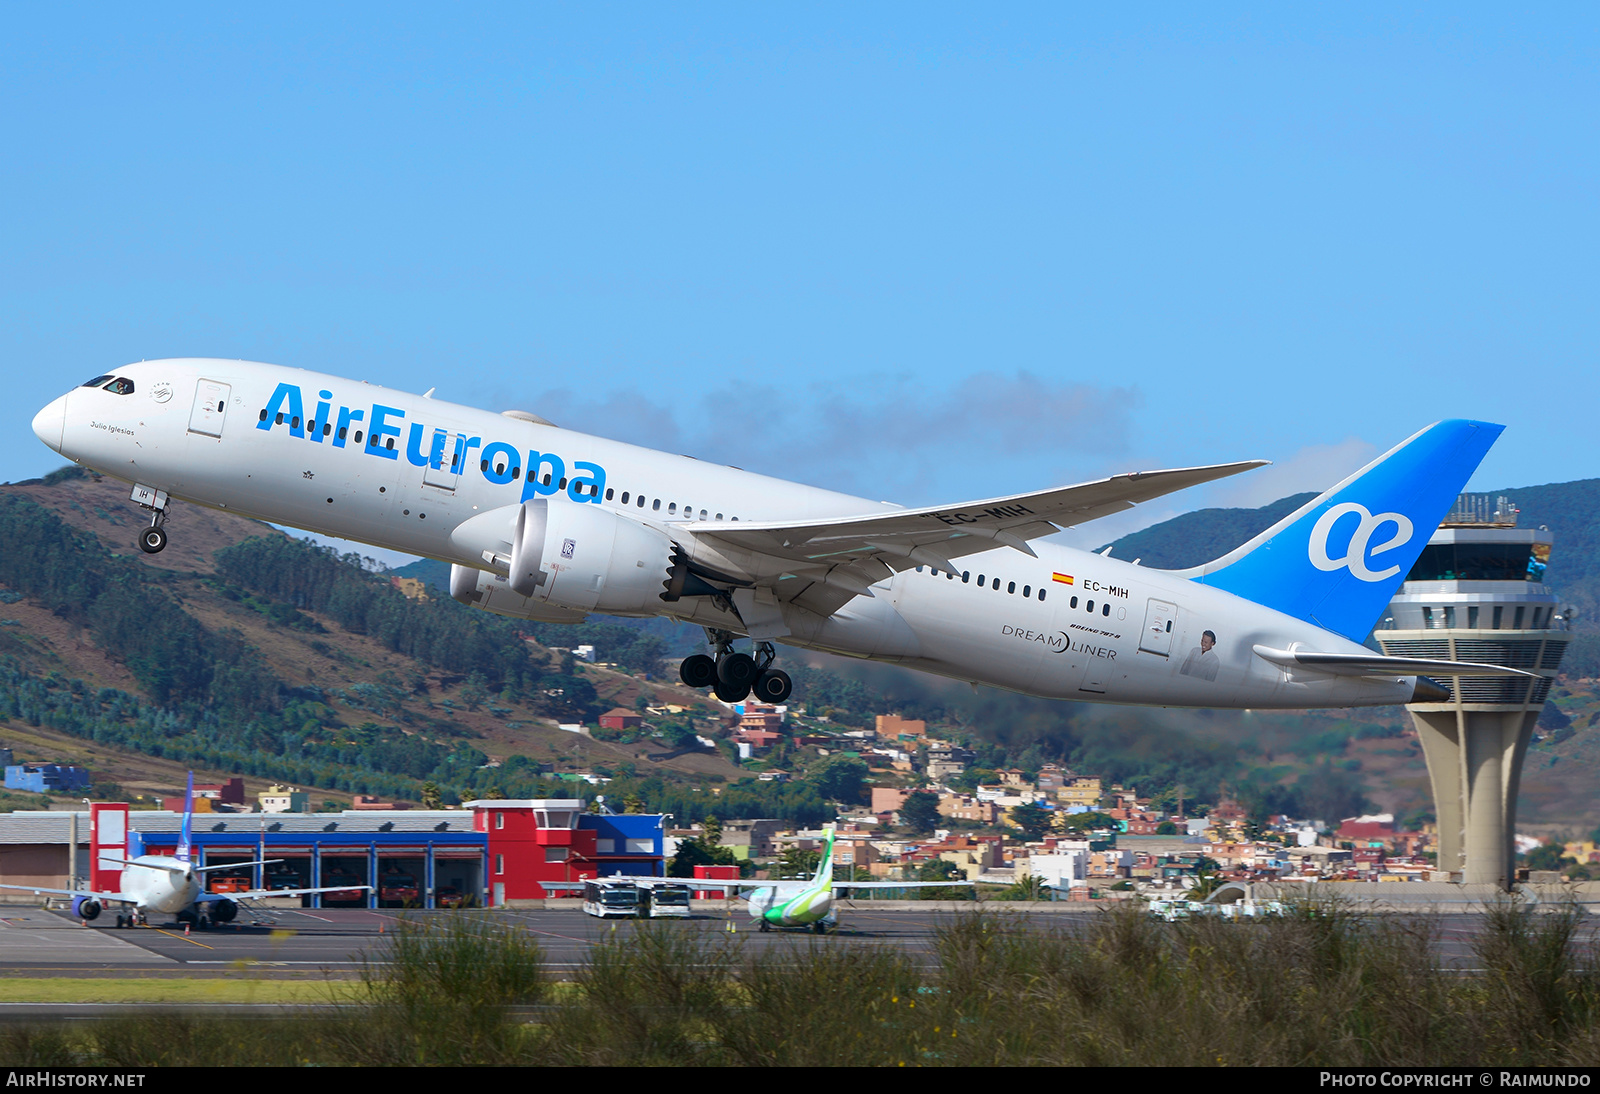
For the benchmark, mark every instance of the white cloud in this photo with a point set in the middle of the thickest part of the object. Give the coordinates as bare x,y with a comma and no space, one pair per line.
889,437
1315,467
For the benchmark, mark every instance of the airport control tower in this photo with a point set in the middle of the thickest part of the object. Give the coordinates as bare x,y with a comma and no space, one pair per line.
1477,593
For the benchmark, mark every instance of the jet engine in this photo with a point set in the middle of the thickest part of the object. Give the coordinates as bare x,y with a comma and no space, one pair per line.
223,911
493,593
86,908
576,557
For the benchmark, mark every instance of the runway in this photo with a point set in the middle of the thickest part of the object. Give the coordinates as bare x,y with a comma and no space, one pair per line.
303,943
293,942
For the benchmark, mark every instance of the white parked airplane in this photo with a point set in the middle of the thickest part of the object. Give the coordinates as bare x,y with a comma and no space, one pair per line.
544,523
169,885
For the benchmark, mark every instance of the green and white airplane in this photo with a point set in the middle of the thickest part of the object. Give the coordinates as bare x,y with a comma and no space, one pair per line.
810,903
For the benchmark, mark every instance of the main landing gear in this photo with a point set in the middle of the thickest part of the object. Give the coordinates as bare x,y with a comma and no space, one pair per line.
735,676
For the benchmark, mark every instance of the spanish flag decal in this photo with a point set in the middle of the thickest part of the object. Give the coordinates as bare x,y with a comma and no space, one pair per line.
1065,579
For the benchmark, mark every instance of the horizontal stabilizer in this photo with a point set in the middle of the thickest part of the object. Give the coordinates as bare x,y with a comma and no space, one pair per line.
1375,664
237,865
261,894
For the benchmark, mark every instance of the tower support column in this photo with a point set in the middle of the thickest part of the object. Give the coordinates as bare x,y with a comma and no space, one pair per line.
1475,762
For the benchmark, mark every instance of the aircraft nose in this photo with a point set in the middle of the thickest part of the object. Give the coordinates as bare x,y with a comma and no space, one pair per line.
50,422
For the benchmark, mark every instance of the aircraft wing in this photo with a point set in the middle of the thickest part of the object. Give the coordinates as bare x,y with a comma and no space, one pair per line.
257,894
837,558
796,883
39,889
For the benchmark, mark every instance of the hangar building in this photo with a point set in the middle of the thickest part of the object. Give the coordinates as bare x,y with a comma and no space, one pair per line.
486,853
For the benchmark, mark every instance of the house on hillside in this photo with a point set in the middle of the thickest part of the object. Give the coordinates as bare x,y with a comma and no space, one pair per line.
621,718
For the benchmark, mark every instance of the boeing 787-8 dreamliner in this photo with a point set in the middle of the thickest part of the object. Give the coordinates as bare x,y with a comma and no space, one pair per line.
544,523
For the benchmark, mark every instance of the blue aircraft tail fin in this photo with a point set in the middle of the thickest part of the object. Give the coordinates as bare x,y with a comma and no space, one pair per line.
1337,560
184,837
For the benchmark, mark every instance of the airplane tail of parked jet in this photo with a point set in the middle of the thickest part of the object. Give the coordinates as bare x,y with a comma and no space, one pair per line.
1337,560
186,833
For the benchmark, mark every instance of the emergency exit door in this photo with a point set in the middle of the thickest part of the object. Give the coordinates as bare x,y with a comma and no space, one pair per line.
1157,634
445,456
210,408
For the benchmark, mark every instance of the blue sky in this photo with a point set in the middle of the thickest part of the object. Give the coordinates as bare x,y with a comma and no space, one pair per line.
920,253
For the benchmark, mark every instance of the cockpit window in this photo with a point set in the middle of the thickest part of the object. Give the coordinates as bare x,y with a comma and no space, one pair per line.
97,381
120,386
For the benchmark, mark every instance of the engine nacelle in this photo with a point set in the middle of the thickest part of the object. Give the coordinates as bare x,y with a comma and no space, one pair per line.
580,558
86,908
493,593
223,911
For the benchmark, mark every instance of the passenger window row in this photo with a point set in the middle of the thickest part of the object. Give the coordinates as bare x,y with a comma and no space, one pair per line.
638,502
984,581
593,490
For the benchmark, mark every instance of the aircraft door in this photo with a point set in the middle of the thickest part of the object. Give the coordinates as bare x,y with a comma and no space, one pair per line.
1156,637
210,408
443,469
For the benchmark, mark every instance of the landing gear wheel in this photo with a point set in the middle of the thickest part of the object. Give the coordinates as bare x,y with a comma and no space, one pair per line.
729,693
738,670
765,926
153,540
698,671
820,927
773,686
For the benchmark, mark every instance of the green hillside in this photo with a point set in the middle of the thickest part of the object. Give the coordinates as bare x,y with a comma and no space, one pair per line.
1198,537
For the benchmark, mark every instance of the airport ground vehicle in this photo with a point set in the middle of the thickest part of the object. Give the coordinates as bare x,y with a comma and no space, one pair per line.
668,901
397,890
612,899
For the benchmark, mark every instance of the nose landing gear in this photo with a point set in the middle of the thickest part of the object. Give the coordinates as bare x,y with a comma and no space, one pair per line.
734,676
153,539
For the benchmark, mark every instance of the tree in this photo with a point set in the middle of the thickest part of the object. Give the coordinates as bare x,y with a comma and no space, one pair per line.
475,691
1547,856
920,813
711,831
1032,818
841,779
799,862
1204,885
430,796
1031,887
692,853
1086,822
938,869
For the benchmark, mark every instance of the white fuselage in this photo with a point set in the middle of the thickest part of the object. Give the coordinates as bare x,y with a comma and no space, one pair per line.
150,883
209,432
